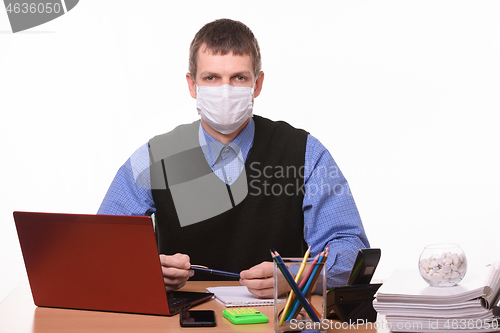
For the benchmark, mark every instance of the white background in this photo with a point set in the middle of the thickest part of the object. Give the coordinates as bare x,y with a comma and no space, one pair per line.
404,94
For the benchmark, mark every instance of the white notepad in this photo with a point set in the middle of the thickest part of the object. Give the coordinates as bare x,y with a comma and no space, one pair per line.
237,296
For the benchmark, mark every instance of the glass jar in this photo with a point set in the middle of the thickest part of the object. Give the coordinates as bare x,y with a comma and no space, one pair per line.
442,265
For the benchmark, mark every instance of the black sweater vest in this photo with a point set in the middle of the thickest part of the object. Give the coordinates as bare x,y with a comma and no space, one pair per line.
270,216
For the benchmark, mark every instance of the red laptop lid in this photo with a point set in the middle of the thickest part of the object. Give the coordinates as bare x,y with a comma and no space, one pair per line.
93,262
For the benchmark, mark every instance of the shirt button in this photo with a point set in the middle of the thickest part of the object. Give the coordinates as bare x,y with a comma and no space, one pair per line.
229,179
226,151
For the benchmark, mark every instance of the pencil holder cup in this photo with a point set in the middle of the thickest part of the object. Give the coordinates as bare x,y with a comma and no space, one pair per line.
312,283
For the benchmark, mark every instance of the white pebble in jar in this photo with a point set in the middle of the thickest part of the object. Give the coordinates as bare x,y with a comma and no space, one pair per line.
442,265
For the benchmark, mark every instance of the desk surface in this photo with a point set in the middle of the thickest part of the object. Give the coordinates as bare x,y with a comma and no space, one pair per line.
19,314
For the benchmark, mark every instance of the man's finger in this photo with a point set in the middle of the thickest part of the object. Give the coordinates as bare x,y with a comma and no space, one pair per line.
180,261
173,284
176,273
262,293
258,284
260,271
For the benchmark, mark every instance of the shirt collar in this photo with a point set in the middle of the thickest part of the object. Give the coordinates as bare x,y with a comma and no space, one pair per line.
241,144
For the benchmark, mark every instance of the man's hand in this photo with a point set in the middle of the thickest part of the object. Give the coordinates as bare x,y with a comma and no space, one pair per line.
260,282
175,270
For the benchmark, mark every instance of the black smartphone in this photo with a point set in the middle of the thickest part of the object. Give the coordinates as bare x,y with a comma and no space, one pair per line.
364,266
197,318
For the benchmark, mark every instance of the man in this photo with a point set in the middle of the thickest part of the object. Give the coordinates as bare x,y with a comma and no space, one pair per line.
227,188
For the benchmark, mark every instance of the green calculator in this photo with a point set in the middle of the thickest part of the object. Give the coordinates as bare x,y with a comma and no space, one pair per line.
245,316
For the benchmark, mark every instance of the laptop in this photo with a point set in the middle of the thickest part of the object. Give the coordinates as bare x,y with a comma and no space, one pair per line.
97,262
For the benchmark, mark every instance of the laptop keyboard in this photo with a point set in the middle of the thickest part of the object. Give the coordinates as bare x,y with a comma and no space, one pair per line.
177,300
180,299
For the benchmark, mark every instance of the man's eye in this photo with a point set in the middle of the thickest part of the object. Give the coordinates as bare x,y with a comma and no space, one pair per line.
240,78
209,78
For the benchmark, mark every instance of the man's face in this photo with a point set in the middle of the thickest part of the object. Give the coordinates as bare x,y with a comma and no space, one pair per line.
216,70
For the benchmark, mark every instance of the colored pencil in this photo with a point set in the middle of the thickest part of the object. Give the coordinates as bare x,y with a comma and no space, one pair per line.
294,286
297,278
315,279
307,289
303,283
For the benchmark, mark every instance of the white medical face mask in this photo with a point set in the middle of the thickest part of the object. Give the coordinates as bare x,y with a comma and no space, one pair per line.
225,108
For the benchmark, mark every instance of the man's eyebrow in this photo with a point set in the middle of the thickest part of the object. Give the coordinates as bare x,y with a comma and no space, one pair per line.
244,73
208,74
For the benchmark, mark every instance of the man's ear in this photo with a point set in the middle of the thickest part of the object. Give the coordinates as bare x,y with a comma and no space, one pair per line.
191,85
258,84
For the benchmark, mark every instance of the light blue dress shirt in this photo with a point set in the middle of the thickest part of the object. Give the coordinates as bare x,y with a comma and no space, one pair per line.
330,214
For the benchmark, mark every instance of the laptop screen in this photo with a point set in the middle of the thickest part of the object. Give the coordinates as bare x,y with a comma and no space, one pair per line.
94,262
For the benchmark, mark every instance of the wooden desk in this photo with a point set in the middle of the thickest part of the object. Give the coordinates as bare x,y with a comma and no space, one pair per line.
18,314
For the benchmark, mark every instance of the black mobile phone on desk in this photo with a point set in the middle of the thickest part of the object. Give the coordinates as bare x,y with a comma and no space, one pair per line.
197,318
364,266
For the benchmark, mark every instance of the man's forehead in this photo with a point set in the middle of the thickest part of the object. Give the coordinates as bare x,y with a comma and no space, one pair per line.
210,61
205,49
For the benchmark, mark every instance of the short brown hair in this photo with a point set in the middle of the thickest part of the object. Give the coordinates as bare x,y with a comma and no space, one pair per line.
223,36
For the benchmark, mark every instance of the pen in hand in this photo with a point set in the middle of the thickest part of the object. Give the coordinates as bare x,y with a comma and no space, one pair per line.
214,271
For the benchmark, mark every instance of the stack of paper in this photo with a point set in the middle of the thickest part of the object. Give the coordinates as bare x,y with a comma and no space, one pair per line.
411,305
237,296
